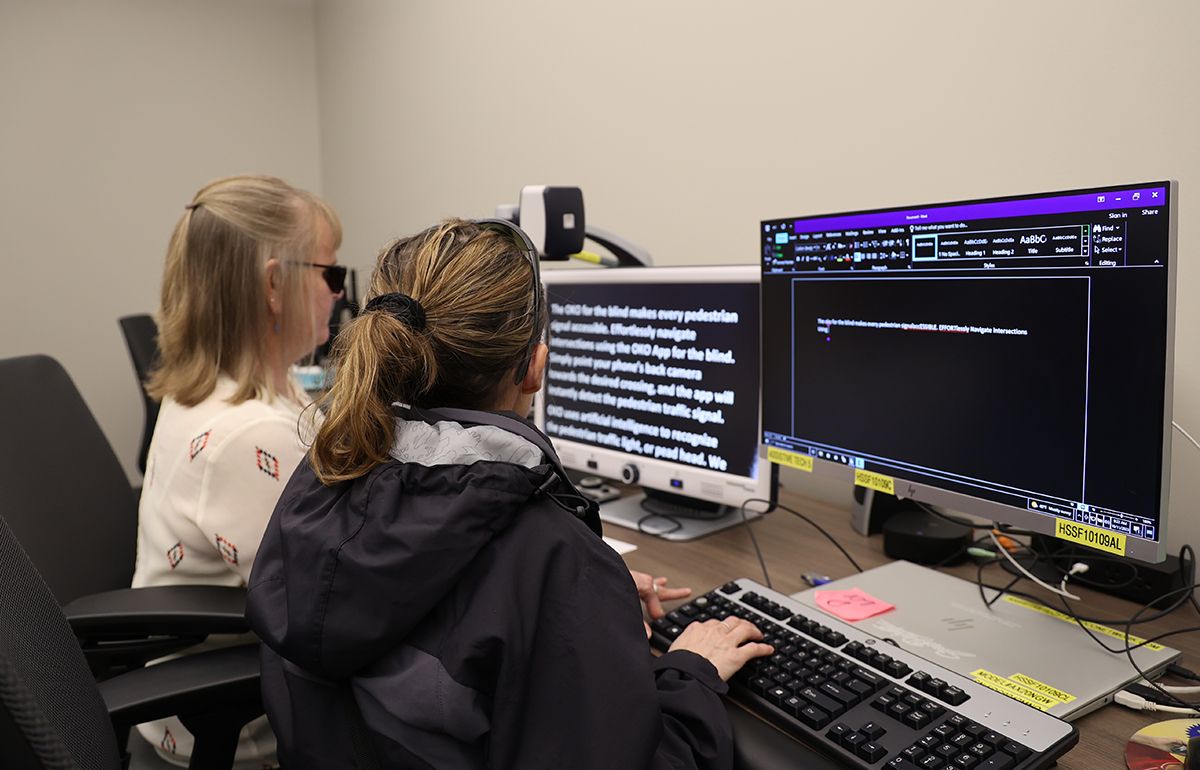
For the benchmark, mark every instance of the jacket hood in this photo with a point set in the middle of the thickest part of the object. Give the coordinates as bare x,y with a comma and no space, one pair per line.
344,573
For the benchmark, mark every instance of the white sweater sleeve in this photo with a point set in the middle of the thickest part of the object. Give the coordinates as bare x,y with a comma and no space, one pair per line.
242,481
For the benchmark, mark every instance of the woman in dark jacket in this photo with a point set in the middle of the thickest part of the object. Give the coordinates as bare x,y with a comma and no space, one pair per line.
431,589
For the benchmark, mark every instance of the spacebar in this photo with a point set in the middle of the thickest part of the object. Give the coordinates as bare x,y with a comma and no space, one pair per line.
757,744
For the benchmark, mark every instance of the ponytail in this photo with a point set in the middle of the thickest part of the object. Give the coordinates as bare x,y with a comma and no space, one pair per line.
451,315
381,360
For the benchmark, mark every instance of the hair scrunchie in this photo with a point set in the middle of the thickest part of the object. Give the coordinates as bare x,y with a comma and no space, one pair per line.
401,306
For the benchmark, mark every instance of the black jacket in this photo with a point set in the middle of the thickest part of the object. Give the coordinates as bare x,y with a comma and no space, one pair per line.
478,622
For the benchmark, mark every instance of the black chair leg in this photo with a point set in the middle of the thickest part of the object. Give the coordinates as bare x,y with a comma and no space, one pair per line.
217,734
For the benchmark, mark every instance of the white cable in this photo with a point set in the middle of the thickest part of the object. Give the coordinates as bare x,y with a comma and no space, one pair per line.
1179,428
1078,568
1178,689
1138,703
1027,573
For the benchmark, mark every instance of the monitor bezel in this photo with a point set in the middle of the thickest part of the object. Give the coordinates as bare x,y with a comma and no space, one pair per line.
657,474
1135,547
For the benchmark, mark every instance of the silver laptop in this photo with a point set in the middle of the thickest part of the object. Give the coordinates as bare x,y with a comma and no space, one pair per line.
1032,653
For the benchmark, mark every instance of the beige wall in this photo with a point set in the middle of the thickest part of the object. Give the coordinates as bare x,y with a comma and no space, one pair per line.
684,122
112,113
687,122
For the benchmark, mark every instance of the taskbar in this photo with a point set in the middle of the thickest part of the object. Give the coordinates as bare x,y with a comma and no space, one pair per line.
1046,505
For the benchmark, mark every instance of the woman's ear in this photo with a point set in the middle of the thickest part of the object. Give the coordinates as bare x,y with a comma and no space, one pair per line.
271,284
537,369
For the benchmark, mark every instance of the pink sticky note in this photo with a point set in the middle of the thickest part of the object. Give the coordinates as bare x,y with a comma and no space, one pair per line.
851,604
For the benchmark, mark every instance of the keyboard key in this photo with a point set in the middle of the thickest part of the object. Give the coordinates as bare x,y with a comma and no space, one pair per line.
838,731
822,701
794,705
848,697
872,752
931,762
945,731
863,675
730,588
873,730
913,752
964,761
897,669
995,740
954,695
945,750
814,717
853,740
900,763
981,750
916,719
1015,750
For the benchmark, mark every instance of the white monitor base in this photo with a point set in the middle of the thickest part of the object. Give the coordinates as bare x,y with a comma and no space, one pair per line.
628,511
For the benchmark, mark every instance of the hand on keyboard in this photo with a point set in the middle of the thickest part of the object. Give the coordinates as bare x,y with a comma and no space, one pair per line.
868,704
728,644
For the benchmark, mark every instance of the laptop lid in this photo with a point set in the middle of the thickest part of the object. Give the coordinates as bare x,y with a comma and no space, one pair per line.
1030,652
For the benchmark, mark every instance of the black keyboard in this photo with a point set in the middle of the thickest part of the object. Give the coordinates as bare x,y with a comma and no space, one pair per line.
867,703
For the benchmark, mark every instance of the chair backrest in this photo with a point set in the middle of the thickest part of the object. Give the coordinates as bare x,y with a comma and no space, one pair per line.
51,713
62,490
141,337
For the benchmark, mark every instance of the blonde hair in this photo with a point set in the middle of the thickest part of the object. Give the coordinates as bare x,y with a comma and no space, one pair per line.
214,315
475,286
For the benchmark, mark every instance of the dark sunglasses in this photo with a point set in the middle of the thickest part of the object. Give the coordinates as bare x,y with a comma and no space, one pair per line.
334,275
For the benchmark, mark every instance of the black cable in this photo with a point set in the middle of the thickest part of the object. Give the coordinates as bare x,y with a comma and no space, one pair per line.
1003,528
1186,568
757,551
653,515
817,526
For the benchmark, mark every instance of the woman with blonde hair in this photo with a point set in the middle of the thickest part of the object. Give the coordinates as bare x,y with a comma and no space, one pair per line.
249,283
431,588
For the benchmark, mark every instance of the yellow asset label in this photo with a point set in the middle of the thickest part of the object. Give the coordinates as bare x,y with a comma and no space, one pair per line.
1013,690
1042,687
790,459
1111,632
876,481
1092,537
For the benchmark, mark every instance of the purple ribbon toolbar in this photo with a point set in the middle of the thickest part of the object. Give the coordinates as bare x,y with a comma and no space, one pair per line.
1148,197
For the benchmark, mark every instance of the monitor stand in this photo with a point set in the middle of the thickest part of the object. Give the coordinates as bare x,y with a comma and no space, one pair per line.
627,512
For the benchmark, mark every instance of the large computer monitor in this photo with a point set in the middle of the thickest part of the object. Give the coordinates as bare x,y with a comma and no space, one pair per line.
653,379
1009,358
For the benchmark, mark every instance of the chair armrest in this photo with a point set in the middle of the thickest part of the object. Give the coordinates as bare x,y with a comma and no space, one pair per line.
160,610
206,681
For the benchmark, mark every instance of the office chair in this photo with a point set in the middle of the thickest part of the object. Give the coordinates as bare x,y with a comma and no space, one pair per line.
54,715
69,503
141,337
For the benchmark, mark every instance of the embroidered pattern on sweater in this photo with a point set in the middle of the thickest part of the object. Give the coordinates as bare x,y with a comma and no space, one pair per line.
167,743
228,550
198,444
267,463
175,555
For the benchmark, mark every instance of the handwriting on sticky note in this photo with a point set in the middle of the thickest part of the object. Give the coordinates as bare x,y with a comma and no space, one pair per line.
851,604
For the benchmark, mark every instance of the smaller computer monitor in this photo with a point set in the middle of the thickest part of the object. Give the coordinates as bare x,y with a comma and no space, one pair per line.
653,380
